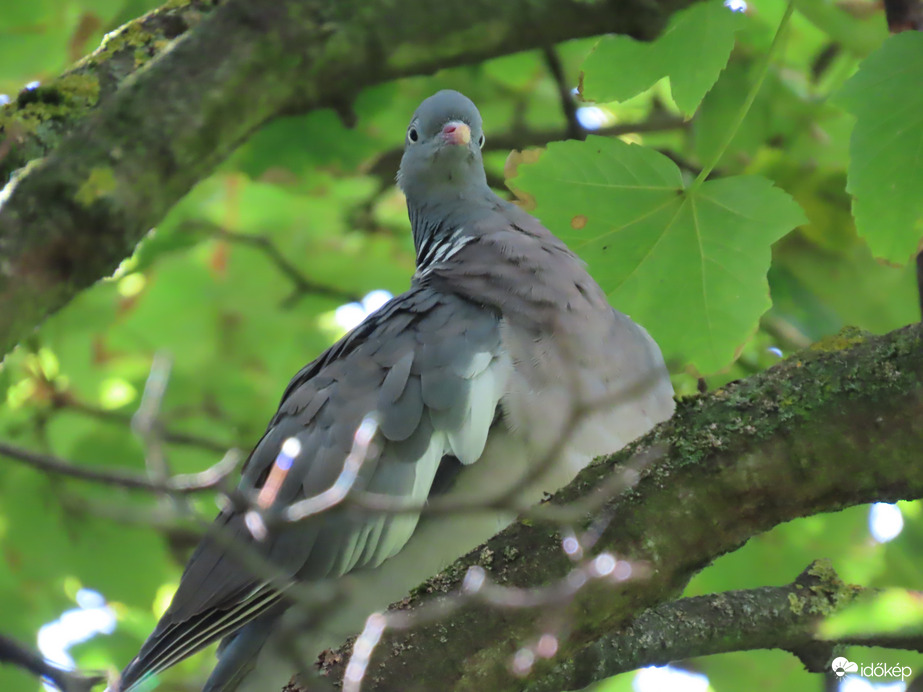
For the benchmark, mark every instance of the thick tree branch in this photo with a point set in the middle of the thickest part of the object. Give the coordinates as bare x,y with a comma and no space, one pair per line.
70,218
833,426
38,119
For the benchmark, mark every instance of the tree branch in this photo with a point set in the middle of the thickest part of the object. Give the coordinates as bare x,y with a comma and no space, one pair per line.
553,62
38,119
16,654
67,401
385,165
302,284
771,617
833,426
180,484
70,218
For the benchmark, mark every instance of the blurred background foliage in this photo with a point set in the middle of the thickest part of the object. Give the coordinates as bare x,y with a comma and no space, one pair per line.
242,282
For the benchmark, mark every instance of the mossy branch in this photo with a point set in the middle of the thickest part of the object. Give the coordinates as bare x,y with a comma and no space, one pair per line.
833,426
769,617
35,122
169,96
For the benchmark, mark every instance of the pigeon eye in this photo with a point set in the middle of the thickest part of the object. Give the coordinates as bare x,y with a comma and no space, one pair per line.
412,134
481,141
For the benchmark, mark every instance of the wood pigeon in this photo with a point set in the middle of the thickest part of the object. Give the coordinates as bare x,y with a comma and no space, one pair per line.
472,376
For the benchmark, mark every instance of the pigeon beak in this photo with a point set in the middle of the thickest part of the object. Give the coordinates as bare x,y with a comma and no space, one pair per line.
456,132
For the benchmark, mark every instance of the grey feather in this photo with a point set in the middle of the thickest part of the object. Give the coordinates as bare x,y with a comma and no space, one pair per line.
440,388
401,417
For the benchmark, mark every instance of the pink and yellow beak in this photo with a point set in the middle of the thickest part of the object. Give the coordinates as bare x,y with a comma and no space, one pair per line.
456,132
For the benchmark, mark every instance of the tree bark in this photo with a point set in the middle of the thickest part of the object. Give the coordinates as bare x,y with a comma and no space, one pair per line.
833,426
68,219
769,617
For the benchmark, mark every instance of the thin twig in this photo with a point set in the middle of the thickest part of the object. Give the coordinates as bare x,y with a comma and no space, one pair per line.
565,92
67,401
145,422
386,164
362,450
183,484
790,337
505,497
303,285
478,588
16,654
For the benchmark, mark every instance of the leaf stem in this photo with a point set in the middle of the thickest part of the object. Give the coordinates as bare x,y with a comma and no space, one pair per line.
748,102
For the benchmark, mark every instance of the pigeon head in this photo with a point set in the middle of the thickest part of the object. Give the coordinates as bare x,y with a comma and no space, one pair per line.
442,151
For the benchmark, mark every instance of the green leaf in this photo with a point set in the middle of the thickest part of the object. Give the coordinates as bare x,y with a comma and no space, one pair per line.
886,170
778,114
621,67
820,292
690,265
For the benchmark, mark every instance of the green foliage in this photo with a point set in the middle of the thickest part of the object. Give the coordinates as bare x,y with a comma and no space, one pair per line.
620,67
40,38
886,174
625,209
712,267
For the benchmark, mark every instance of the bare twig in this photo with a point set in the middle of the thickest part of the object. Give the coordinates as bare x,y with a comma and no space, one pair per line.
505,497
565,92
386,164
260,513
477,588
790,337
14,653
362,451
183,484
67,401
145,421
302,284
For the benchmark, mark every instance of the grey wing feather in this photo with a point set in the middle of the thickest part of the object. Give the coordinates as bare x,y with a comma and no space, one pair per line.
402,416
440,388
417,364
395,381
